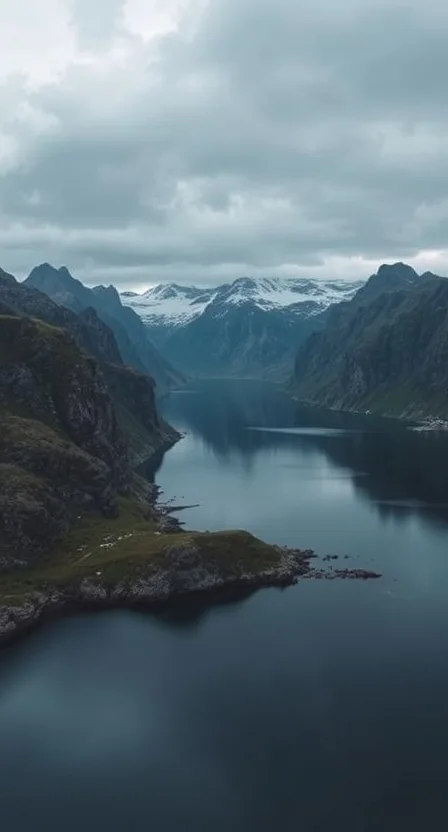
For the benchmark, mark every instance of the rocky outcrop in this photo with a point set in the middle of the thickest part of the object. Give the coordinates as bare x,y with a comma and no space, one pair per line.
60,444
199,564
42,370
183,570
32,516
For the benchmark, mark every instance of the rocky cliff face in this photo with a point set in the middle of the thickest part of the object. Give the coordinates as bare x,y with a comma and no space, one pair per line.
132,392
60,446
70,426
386,351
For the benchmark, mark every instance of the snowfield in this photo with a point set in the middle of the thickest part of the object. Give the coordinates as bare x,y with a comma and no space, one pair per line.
173,305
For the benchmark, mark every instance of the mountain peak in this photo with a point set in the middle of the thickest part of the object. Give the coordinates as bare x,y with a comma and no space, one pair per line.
400,271
58,284
6,277
46,271
64,272
389,278
44,268
107,291
249,327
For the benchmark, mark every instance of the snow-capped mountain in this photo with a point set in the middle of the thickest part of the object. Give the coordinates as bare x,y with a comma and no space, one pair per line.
250,326
171,304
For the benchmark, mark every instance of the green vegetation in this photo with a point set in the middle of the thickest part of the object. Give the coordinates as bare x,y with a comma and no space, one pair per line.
124,547
385,351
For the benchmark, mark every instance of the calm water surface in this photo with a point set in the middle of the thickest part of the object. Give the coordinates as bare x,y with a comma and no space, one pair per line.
319,707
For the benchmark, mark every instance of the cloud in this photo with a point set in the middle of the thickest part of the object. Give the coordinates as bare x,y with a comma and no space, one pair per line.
205,139
96,24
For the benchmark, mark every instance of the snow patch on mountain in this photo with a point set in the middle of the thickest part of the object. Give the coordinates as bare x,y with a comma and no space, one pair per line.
174,305
169,304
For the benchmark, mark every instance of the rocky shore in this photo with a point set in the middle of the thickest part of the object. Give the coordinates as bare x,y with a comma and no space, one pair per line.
430,424
183,570
147,562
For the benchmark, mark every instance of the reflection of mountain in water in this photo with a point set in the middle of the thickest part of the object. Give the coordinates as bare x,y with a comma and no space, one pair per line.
402,471
407,471
220,413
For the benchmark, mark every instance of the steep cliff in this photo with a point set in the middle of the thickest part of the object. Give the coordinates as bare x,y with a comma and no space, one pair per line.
143,429
131,335
385,351
60,445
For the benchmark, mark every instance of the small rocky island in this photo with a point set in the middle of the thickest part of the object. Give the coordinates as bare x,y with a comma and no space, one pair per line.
79,529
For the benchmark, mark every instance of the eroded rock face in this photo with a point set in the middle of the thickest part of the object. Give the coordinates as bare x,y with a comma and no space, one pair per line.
182,571
132,392
73,421
43,370
61,448
138,391
385,351
32,516
80,478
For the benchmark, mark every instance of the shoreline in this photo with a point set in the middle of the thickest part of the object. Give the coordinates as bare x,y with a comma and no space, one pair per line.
414,422
144,560
181,573
157,588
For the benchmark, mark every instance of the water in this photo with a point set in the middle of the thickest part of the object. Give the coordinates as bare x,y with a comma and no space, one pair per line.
319,707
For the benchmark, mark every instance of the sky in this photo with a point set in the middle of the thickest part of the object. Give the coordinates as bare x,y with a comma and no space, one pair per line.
144,141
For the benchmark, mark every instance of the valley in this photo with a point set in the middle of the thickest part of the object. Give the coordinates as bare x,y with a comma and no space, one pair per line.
197,515
252,327
78,525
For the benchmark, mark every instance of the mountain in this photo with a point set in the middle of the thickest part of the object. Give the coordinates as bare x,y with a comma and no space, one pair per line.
388,278
61,449
133,392
386,350
74,420
131,335
78,529
251,327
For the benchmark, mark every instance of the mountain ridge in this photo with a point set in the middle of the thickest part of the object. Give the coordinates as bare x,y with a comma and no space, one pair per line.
74,422
95,338
250,327
384,351
134,344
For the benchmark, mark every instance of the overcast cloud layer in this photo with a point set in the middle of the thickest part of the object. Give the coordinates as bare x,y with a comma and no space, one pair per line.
200,140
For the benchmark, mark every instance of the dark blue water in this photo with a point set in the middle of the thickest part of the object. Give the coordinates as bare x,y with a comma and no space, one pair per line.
319,707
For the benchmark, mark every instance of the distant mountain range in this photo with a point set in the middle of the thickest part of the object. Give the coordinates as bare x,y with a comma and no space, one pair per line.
251,327
132,337
386,350
380,345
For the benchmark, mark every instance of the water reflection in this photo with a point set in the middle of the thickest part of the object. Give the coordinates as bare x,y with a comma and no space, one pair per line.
319,707
401,471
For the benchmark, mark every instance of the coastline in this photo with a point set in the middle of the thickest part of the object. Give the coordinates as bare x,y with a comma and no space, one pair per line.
181,571
143,559
415,421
